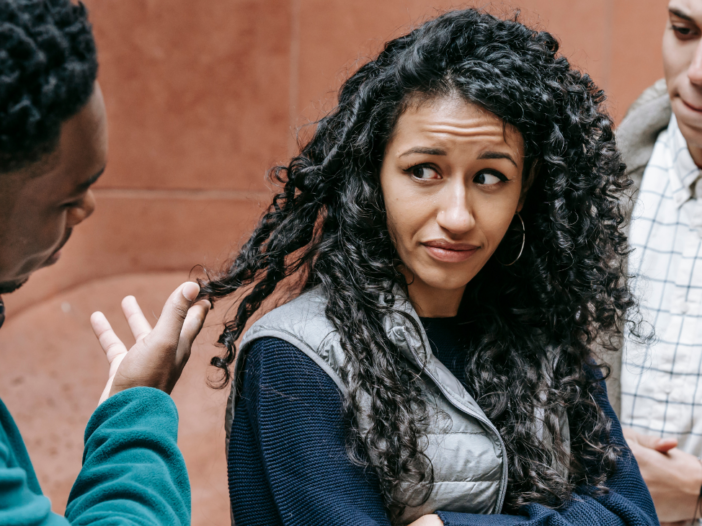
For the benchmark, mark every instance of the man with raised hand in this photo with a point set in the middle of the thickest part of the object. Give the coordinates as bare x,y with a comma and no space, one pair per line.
658,384
53,147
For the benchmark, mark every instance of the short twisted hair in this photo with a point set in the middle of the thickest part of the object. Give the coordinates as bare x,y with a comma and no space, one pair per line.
48,66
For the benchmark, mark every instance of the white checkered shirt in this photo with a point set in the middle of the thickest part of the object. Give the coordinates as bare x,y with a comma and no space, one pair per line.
661,387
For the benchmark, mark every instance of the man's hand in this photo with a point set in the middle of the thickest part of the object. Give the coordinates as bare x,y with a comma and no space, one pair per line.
159,355
673,477
428,520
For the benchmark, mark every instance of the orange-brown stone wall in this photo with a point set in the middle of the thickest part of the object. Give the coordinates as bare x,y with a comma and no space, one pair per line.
203,97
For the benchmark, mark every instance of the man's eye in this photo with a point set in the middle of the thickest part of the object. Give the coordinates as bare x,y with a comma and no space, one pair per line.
489,178
683,32
73,204
423,172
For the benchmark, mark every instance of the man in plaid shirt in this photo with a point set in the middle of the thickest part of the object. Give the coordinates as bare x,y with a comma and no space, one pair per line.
656,386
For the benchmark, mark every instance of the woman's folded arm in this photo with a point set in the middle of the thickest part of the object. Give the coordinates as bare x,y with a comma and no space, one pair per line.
288,463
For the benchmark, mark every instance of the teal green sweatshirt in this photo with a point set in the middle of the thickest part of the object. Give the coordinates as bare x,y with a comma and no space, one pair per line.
133,472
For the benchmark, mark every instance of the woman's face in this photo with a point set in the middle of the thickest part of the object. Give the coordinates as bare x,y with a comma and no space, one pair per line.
452,183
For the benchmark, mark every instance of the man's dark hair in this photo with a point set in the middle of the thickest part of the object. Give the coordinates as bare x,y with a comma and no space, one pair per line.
48,66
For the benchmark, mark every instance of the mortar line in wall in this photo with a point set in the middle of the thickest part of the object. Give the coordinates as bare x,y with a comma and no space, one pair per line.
294,81
183,194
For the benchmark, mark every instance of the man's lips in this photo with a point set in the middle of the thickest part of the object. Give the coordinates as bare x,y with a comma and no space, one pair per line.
448,252
56,255
53,258
690,106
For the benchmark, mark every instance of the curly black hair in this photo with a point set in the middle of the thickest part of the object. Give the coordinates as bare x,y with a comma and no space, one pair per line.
532,326
48,67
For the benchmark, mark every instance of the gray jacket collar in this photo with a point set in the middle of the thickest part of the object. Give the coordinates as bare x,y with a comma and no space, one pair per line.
645,120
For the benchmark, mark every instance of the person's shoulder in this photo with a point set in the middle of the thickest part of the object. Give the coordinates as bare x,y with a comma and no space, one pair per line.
310,304
282,369
647,117
271,350
299,321
658,91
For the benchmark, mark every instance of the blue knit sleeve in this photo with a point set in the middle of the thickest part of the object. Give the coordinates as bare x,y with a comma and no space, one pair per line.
628,502
287,456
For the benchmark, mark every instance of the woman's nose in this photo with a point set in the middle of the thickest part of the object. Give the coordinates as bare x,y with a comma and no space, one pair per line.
82,211
455,214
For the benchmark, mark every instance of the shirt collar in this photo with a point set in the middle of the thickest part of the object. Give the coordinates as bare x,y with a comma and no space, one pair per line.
684,172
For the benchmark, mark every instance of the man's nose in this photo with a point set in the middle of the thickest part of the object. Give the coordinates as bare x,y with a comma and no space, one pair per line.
83,211
455,214
694,72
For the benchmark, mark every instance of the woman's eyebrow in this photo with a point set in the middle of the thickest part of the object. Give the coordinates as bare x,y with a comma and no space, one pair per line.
424,150
497,155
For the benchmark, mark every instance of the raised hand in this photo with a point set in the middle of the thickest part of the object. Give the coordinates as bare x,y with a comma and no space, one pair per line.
159,354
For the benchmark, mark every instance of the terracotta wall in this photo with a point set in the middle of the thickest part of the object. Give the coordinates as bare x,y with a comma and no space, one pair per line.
202,98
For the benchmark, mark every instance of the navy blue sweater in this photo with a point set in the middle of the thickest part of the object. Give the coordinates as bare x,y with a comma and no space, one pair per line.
288,463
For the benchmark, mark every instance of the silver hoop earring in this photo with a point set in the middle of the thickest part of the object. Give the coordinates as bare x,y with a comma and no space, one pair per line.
523,242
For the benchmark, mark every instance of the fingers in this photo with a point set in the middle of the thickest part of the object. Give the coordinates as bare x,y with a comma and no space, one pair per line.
109,341
174,312
652,442
135,317
663,445
192,326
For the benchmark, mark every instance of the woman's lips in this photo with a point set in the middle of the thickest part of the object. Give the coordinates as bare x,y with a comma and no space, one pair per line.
450,252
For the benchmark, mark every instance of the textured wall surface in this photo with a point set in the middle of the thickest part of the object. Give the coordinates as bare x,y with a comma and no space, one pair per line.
204,97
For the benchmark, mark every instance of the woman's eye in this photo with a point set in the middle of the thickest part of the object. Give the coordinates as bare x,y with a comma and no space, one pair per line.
489,178
424,173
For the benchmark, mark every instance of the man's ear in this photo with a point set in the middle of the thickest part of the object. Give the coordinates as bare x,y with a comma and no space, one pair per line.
528,183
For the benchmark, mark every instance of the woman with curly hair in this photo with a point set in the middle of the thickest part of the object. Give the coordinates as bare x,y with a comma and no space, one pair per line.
453,231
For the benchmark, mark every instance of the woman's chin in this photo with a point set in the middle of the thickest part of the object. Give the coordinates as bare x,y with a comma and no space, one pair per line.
443,283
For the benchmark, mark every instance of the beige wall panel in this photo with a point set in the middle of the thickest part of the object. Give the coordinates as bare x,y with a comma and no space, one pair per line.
337,36
197,94
141,234
637,29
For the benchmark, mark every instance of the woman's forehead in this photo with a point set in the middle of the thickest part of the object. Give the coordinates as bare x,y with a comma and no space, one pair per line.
452,120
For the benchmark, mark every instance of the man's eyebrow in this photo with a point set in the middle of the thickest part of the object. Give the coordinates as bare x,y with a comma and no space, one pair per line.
83,187
424,150
497,155
680,14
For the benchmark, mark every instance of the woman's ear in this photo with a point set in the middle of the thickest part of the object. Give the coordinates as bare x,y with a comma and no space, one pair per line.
527,184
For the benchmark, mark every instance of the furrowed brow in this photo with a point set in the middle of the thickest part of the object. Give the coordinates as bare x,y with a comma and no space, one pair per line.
424,150
497,155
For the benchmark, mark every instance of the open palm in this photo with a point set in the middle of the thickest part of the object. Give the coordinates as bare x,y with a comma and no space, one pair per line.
159,354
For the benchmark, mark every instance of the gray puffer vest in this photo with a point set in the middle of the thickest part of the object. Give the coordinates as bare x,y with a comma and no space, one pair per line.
466,451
